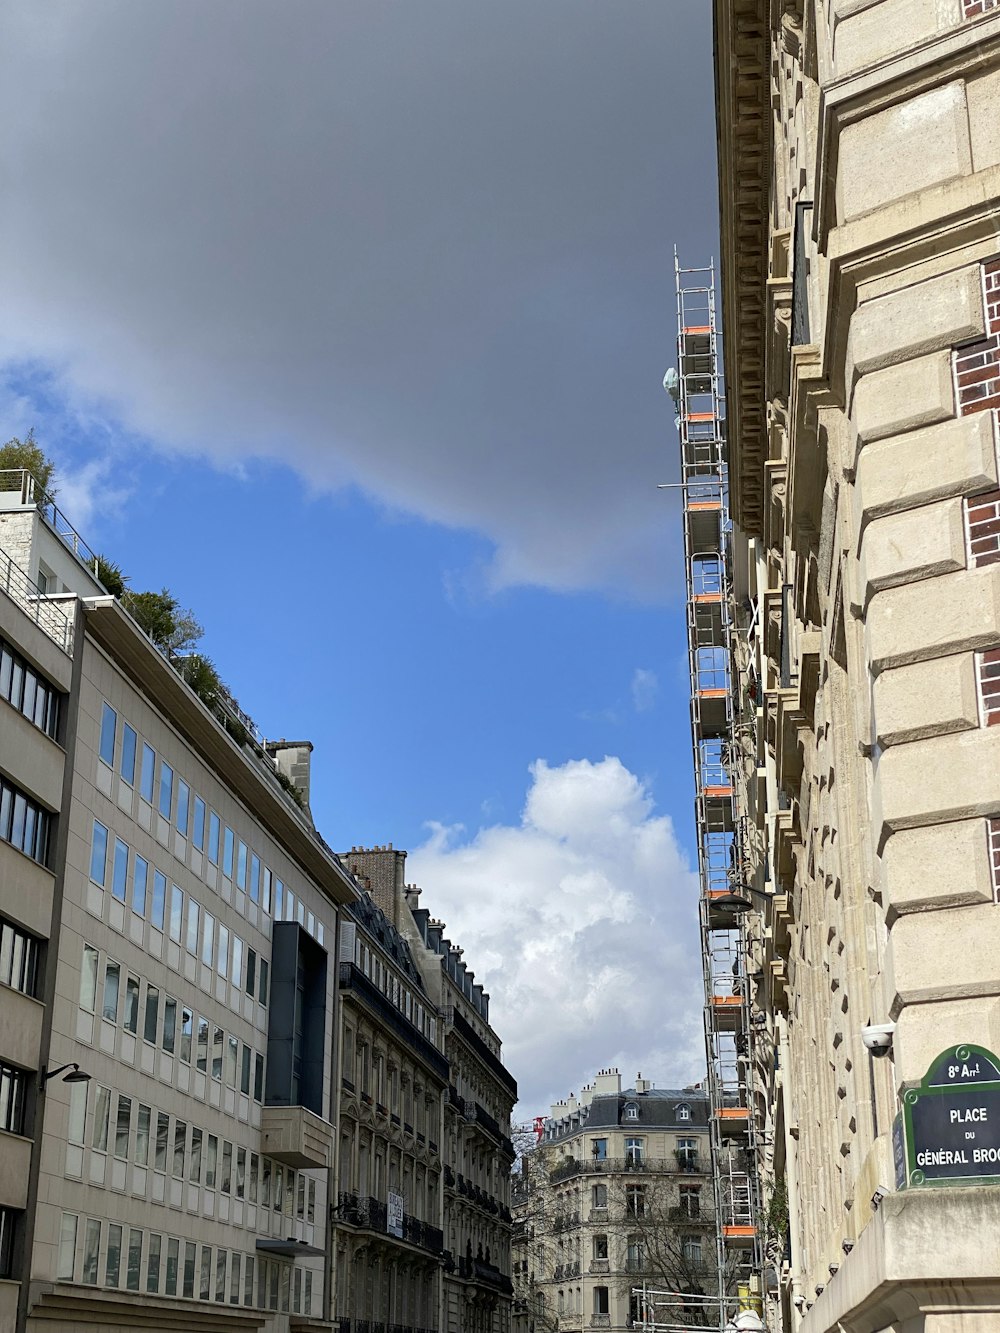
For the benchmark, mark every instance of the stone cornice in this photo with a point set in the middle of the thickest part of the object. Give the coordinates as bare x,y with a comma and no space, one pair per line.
743,127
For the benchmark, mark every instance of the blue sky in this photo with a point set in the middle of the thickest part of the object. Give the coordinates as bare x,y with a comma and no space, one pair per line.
349,329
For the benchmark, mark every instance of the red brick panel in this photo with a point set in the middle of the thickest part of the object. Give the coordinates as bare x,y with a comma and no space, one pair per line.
982,518
989,685
977,376
971,9
991,286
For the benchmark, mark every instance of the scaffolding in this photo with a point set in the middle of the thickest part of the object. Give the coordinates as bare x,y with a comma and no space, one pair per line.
715,721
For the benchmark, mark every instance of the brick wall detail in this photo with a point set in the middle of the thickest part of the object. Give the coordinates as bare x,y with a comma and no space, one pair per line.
977,365
972,9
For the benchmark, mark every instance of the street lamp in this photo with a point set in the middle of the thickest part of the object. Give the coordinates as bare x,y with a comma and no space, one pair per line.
732,901
76,1074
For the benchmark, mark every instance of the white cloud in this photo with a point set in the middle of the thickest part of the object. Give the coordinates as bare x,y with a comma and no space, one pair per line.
401,247
581,921
645,686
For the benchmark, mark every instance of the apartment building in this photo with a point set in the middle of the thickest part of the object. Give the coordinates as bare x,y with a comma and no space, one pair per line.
229,1081
481,1093
617,1193
859,184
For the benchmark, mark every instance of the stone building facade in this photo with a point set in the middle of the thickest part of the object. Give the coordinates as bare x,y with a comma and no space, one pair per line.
859,156
481,1093
617,1192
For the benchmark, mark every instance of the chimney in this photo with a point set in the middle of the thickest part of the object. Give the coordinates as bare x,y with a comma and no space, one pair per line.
642,1084
608,1082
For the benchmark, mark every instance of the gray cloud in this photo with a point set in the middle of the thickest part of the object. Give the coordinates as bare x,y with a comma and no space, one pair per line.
423,249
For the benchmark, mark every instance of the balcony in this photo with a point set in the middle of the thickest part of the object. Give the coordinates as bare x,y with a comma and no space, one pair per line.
296,1137
598,1266
600,1321
368,1214
610,1166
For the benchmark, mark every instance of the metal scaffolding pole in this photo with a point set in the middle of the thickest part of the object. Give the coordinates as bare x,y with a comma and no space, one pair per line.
697,389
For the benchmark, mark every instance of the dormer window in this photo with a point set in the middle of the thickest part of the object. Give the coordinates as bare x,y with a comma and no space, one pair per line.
631,1111
683,1112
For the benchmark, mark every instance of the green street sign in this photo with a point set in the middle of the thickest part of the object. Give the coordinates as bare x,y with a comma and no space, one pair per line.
952,1120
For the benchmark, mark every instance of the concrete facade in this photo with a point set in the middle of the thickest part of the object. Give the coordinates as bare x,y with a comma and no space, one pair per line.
860,174
617,1192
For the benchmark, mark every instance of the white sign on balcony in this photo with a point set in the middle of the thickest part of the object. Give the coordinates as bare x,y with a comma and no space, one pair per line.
394,1214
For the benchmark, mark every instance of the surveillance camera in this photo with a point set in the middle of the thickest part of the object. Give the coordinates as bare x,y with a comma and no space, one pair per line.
878,1038
878,1196
847,1246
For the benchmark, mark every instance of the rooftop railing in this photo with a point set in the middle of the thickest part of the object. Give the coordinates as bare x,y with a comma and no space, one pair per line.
20,482
46,613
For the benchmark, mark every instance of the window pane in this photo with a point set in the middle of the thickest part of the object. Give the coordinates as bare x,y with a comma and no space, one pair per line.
245,1070
208,939
251,972
88,979
112,1269
190,1256
211,1160
162,1141
91,1252
183,805
176,912
152,1014
227,1168
131,1017
119,873
222,960
194,1167
203,1044
169,1024
140,878
213,838
109,723
232,1059
205,1288
98,853
227,854
218,1041
180,1140
241,865
198,831
148,768
142,1136
254,878
159,898
236,971
77,1112
112,980
153,1264
127,765
187,1033
263,981
123,1127
192,926
166,789
258,1077
67,1246
173,1263
102,1110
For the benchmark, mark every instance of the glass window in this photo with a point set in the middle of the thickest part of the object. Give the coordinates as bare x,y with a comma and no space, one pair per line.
190,1257
76,1127
198,830
254,877
112,1267
213,837
241,865
248,1280
599,1196
236,971
140,879
176,912
265,1182
263,981
109,725
258,1077
88,979
246,1063
142,1136
225,1180
251,972
152,1014
218,1044
599,1150
222,963
112,982
166,789
102,1112
187,1033
241,1172
203,1044
208,939
119,872
211,1160
279,899
183,807
205,1286
180,1141
633,1151
227,853
146,774
13,1086
192,926
159,898
91,1252
173,1265
67,1246
220,1274
194,1166
265,896
153,1263
169,1024
123,1127
126,766
130,1020
234,1279
18,958
98,853
232,1060
683,1112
